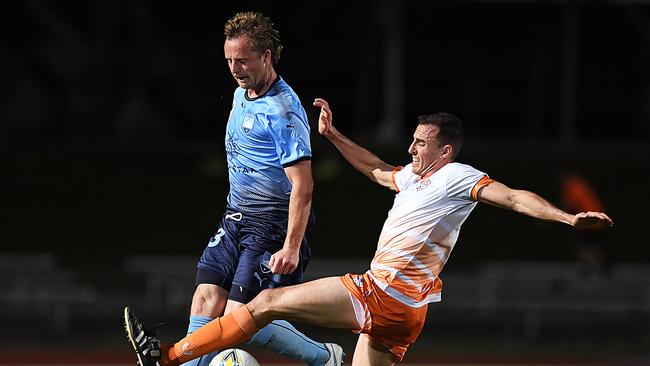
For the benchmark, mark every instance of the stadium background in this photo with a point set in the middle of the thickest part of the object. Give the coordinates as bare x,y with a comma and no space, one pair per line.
112,153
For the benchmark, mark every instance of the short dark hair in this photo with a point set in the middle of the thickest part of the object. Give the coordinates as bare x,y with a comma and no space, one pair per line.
259,29
450,129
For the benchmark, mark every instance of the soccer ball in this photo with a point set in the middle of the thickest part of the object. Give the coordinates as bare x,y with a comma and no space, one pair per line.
234,357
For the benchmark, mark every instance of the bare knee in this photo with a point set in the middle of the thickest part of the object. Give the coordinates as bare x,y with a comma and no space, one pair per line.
263,307
209,300
371,352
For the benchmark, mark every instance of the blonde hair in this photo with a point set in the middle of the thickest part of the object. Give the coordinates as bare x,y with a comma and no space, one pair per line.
259,29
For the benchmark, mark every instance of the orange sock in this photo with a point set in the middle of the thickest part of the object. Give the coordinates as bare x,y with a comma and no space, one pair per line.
226,331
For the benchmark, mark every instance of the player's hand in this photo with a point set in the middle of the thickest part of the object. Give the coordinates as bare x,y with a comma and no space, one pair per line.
325,126
284,261
586,220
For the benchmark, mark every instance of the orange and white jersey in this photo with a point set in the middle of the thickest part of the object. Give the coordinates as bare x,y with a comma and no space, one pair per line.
421,230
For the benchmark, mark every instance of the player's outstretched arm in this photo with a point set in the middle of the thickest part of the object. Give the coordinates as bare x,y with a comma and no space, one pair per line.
531,204
361,159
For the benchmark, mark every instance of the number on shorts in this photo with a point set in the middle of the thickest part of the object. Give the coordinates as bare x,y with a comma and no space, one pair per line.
217,237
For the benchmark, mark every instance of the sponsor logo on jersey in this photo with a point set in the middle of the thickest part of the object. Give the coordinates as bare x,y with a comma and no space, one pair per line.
423,185
241,169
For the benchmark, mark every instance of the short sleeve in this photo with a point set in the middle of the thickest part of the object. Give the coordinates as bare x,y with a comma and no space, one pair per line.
477,187
402,177
291,136
463,181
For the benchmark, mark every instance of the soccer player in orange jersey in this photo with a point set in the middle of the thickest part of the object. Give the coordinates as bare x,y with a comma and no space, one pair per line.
388,303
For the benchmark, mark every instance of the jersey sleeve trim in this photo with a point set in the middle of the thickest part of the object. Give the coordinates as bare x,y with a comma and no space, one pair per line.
397,169
286,165
480,184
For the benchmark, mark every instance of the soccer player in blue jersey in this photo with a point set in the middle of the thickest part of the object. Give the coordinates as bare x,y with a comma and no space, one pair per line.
260,240
388,304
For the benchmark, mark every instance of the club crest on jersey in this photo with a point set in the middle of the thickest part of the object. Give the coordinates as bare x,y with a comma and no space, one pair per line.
247,125
423,184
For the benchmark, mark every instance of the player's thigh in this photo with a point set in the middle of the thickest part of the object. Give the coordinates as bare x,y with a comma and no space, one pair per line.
215,271
209,300
369,352
253,274
324,302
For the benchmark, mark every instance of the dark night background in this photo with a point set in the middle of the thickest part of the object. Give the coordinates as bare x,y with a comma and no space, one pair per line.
114,112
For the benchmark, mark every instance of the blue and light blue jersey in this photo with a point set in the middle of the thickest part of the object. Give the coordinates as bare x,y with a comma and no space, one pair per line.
263,136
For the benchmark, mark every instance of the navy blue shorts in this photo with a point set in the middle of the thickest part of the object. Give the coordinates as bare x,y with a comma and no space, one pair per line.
236,257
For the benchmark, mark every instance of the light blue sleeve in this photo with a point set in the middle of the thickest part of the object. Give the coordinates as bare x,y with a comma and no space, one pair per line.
291,136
